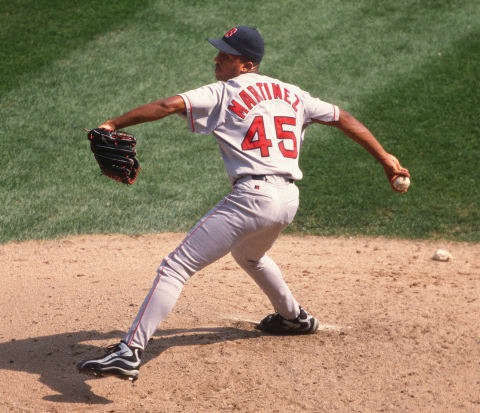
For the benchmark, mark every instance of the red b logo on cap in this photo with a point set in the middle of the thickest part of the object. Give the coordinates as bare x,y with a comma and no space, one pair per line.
231,32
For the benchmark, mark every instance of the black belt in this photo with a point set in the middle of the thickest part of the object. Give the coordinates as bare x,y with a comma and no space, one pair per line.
260,178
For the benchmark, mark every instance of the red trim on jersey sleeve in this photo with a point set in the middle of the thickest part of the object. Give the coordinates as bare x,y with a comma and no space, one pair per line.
191,114
189,111
336,113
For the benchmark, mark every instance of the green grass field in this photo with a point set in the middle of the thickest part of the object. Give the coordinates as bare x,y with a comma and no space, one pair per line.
408,70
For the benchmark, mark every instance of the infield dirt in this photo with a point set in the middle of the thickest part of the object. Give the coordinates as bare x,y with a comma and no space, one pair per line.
400,332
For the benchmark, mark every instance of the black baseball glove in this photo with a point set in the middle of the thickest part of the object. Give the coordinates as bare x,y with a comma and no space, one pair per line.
115,154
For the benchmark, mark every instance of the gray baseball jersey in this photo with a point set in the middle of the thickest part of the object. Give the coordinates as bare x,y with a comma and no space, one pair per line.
259,122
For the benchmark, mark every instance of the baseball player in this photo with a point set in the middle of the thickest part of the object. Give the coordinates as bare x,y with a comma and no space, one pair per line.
259,123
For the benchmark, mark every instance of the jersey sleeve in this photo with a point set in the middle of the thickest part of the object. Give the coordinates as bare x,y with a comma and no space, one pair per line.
319,110
203,107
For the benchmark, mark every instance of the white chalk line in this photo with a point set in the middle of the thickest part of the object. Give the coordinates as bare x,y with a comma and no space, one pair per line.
321,326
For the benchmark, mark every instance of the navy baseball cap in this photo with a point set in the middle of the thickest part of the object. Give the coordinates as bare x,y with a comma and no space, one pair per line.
241,41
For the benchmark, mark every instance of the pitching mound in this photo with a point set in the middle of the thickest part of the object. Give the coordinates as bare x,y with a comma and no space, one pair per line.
400,331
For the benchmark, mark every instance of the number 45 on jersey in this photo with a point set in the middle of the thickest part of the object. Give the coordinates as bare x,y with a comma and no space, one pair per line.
263,143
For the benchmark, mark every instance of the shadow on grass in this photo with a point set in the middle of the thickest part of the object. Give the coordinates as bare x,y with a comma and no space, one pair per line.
54,357
36,33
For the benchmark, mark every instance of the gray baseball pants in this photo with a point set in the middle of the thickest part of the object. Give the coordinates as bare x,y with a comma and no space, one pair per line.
246,223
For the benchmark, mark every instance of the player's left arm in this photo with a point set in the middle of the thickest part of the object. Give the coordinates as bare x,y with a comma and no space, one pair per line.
359,133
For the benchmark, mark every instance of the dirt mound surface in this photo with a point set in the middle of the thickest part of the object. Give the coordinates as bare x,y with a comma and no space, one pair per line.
399,333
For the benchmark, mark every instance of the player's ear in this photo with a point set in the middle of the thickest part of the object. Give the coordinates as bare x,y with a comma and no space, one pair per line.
247,66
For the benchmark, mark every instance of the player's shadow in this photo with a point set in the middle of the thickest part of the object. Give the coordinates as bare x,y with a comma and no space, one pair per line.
53,357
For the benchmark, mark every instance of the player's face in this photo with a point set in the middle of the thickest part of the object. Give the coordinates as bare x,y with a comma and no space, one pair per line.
228,66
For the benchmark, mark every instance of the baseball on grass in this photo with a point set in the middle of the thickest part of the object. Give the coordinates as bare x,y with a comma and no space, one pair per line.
401,183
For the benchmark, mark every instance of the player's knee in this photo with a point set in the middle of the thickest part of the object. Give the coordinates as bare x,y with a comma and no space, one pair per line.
239,257
246,263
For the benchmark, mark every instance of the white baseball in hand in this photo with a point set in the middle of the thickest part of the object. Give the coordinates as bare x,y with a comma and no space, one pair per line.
401,183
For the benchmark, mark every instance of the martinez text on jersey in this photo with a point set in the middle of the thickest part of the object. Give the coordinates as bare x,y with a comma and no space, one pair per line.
264,91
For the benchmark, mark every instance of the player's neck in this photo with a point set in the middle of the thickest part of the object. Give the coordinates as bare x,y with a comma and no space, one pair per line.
254,70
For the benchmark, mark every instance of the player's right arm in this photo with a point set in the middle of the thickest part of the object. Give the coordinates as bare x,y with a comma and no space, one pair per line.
147,113
359,133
